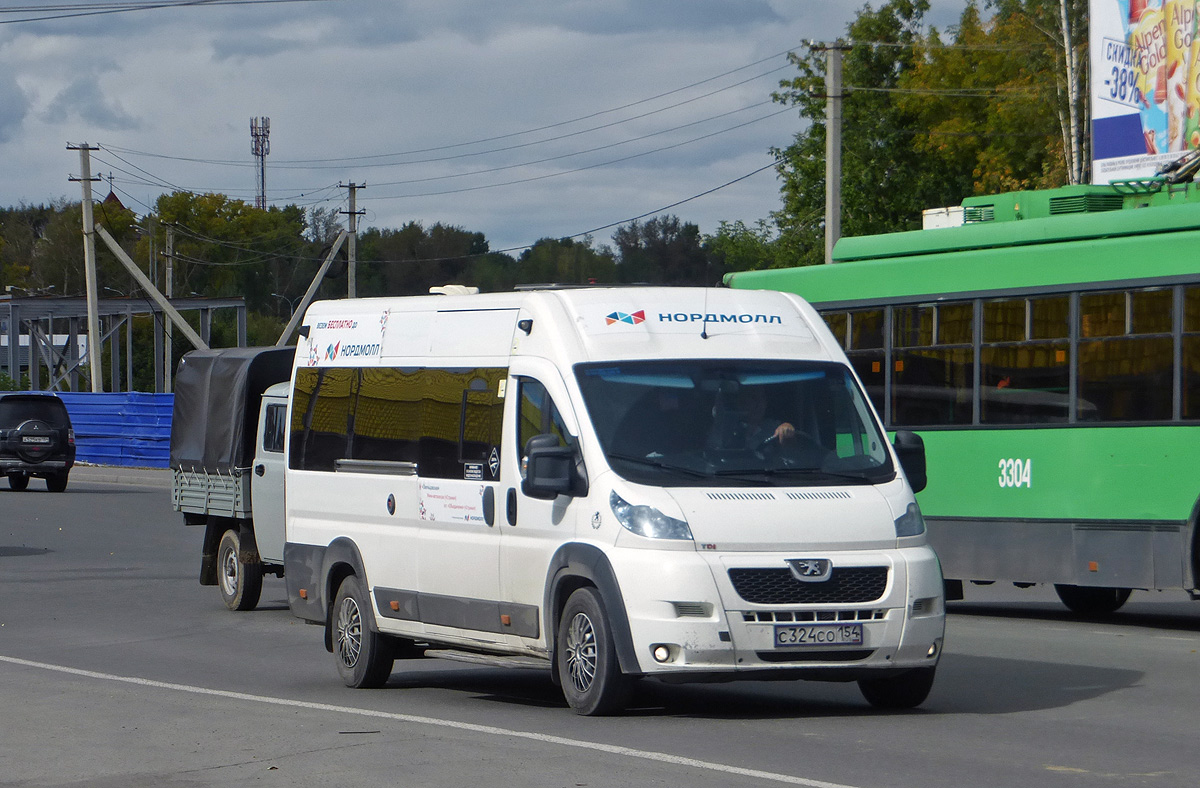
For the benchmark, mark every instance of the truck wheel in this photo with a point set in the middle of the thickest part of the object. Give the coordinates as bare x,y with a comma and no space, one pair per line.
905,690
1092,601
240,581
586,657
18,481
364,657
57,482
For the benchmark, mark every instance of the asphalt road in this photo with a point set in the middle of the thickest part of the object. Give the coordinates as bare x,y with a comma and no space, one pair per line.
118,669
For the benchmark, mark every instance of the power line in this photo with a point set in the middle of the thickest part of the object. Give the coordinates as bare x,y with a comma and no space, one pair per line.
672,205
590,166
350,159
52,11
532,178
576,153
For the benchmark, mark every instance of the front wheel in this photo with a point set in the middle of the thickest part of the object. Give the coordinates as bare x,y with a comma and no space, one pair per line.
586,657
364,657
1092,601
905,690
240,580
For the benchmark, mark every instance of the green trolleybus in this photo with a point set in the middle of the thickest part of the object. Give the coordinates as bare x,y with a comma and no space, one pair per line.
1047,351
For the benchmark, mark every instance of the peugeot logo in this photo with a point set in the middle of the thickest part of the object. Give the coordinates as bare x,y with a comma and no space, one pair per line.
811,570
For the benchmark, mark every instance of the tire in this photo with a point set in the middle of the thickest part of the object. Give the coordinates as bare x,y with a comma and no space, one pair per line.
364,657
240,581
46,436
18,481
903,690
57,482
586,657
1092,601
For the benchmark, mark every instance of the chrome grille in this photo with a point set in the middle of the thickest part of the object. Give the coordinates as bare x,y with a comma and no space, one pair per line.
846,585
807,616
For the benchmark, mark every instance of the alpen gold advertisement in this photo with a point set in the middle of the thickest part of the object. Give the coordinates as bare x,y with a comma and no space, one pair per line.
1145,66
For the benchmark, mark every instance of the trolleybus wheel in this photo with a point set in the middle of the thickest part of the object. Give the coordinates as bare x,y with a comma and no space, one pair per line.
1092,601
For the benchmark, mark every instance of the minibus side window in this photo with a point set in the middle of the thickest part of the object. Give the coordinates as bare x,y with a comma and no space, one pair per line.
385,415
460,418
539,416
321,420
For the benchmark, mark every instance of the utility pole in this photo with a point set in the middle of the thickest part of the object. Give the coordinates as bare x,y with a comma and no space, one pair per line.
89,266
260,146
168,329
833,146
352,240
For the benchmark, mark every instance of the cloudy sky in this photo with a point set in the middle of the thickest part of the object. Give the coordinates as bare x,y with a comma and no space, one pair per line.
520,119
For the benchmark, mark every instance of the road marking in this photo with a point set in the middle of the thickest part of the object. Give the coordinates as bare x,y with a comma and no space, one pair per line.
611,749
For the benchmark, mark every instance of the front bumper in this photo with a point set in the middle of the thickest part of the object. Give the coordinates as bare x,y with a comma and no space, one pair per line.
690,606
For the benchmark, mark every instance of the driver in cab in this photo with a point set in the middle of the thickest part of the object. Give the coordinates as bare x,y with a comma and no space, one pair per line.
740,421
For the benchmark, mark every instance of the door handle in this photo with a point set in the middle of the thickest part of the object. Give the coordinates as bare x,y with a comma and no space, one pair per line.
489,505
259,470
511,508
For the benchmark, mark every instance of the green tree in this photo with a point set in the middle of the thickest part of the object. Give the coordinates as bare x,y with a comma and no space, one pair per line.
736,247
663,250
567,261
995,101
1052,36
886,179
412,259
224,247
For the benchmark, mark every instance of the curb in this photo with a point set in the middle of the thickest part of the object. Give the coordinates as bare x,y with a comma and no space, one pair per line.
108,474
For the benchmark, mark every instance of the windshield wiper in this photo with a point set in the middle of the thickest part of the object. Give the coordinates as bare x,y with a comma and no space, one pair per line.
666,466
860,478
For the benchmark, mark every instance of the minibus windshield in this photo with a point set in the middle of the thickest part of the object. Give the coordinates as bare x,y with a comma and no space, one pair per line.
734,423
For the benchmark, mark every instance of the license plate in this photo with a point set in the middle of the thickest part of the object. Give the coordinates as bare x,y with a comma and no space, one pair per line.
34,439
818,635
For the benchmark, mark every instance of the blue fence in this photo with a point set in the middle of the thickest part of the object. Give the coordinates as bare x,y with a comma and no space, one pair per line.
128,429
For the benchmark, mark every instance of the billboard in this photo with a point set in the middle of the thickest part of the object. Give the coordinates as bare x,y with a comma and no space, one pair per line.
1145,67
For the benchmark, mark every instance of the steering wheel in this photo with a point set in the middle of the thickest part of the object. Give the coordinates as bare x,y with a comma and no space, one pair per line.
771,442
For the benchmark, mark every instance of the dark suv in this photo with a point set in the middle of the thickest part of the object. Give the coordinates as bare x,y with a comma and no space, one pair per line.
36,439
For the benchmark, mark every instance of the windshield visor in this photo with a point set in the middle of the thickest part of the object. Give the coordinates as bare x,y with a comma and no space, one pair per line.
734,423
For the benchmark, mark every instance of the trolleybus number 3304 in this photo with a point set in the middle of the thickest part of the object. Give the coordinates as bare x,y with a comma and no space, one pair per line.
1016,473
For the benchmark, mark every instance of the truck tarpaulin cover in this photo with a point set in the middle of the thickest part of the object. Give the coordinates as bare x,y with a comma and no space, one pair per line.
217,397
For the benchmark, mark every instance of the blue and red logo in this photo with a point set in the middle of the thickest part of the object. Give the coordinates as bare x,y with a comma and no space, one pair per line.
623,317
331,352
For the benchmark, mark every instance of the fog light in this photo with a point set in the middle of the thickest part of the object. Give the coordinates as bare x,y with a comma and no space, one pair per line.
661,653
934,650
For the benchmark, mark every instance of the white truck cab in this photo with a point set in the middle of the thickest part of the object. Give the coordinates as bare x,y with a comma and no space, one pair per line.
681,484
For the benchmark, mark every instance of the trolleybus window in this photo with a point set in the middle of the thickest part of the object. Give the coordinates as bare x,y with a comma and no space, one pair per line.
932,364
1024,378
864,347
1126,354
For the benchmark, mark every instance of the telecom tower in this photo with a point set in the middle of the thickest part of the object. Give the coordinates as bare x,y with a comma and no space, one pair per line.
260,145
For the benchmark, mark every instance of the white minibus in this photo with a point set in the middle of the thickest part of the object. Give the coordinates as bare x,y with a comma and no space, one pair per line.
610,483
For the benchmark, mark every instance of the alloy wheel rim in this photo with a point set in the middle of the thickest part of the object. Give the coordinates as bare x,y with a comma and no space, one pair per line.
581,652
349,632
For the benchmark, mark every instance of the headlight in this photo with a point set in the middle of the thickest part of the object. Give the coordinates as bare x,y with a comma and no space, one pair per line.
911,523
647,521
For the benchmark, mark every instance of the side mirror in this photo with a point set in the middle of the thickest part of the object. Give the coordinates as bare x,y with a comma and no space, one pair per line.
549,468
911,451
